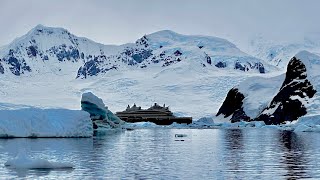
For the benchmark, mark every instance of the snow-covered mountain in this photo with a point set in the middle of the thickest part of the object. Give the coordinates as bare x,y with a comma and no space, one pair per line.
55,50
165,48
49,50
286,97
278,53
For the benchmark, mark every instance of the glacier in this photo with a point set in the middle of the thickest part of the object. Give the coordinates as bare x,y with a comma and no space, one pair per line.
37,122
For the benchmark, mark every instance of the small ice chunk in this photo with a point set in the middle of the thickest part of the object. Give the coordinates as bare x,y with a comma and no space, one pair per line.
22,161
180,135
259,124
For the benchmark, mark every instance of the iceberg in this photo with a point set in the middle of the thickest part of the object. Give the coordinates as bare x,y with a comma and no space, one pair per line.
101,116
36,122
309,123
22,161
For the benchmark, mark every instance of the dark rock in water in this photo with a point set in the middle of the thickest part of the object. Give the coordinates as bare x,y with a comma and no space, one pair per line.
221,64
286,106
232,103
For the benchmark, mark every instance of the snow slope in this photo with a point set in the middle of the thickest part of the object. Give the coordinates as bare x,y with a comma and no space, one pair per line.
258,92
279,53
187,91
35,122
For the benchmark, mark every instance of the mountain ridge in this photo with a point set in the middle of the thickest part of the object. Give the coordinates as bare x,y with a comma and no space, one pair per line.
46,49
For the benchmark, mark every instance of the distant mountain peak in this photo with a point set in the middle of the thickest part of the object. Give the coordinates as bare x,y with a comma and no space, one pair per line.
39,29
55,50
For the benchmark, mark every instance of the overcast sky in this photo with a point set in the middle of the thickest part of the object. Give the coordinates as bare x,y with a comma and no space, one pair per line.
122,21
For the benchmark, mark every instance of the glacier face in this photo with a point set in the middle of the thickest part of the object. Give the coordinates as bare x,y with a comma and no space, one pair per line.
55,50
36,122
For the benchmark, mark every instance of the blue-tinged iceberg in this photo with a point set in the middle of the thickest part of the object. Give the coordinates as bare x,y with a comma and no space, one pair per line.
101,116
36,122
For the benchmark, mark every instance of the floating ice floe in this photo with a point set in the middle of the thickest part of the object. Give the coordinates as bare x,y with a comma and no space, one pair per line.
22,161
180,135
305,124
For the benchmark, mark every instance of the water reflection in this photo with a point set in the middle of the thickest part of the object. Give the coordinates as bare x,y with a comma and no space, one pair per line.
154,154
234,140
293,158
233,157
22,173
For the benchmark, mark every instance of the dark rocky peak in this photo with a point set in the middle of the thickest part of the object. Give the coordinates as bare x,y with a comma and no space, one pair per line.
142,41
232,103
295,70
287,104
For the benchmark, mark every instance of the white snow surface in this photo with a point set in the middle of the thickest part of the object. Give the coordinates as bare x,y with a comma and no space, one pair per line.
35,122
258,92
187,90
90,97
22,161
280,52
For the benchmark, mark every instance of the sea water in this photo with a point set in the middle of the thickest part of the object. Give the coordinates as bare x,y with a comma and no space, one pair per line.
159,154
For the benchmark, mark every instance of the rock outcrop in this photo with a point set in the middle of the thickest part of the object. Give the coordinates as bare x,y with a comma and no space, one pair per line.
288,103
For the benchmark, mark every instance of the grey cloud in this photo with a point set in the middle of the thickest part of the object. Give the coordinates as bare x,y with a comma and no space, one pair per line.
122,21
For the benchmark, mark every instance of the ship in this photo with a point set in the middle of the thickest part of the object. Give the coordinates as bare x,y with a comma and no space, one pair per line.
160,115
